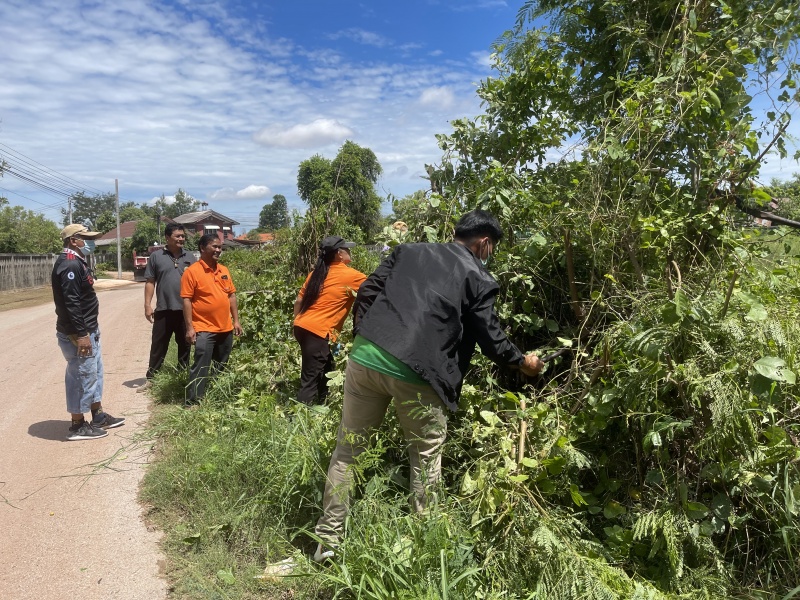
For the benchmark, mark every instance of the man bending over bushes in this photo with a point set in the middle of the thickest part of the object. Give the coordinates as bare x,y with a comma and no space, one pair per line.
417,319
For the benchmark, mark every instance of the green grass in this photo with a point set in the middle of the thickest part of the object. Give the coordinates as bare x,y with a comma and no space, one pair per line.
600,508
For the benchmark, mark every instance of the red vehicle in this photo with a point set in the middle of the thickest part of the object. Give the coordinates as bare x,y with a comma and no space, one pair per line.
140,262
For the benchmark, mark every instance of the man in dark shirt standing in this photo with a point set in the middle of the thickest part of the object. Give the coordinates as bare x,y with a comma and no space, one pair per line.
163,274
417,320
78,335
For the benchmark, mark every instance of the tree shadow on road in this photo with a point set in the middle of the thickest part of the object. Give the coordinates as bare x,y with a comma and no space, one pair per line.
50,430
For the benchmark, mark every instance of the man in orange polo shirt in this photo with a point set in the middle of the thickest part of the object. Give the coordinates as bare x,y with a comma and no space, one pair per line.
211,314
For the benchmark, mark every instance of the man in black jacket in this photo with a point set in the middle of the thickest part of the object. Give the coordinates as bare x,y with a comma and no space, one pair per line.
78,335
417,320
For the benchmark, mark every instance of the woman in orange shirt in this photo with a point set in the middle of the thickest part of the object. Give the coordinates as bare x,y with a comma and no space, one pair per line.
319,313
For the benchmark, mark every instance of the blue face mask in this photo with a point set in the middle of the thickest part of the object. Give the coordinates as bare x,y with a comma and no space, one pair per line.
88,247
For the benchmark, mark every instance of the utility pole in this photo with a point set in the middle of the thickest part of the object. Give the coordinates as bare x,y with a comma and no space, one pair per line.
119,241
69,210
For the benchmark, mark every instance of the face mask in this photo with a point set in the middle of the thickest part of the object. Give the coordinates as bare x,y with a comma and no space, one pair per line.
88,247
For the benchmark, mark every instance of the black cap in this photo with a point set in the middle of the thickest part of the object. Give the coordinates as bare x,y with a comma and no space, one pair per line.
334,242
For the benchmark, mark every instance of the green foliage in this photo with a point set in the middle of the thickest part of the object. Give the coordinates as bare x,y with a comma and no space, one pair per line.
659,457
128,211
91,209
787,195
26,232
274,215
343,187
146,234
183,203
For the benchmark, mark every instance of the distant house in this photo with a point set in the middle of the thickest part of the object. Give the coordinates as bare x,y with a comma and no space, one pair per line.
126,231
264,239
208,221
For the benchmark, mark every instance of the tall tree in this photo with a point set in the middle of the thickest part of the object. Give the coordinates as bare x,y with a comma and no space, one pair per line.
145,235
183,203
274,215
128,211
613,147
344,186
26,232
787,196
88,209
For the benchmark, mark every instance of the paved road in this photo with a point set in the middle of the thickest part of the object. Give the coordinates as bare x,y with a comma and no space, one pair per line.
70,523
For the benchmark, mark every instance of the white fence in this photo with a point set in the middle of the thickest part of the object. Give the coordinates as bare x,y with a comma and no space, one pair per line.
21,271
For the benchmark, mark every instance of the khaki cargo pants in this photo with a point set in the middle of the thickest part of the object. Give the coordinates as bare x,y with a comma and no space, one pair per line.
367,395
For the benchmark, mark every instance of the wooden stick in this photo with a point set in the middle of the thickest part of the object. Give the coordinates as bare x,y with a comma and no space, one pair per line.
573,288
523,431
728,295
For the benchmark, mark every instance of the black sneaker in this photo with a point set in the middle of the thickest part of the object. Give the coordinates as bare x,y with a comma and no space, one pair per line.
103,420
85,431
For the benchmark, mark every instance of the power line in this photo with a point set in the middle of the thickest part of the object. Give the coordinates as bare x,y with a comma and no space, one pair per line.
45,206
65,178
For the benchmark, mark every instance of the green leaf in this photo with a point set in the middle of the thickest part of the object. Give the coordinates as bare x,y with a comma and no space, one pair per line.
774,368
468,485
696,510
692,20
531,463
721,506
518,478
490,418
682,303
576,496
613,509
226,576
757,313
554,465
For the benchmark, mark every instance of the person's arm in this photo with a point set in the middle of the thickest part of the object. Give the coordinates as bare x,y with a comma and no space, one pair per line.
191,336
149,290
237,328
187,291
297,302
485,328
372,287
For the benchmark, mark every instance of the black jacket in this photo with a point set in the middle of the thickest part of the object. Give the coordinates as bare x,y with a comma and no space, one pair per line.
428,305
77,306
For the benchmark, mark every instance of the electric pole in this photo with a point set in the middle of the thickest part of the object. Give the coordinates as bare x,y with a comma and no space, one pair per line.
119,241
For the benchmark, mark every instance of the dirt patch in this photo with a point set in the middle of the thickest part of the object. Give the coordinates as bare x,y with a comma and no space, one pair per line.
12,299
24,298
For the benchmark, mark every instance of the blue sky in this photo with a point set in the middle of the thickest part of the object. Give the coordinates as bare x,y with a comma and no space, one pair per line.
225,98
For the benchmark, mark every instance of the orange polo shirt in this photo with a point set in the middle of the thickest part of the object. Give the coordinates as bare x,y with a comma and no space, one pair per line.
209,290
326,316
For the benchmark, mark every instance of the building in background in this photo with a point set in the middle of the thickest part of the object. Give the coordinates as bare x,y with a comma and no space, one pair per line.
208,221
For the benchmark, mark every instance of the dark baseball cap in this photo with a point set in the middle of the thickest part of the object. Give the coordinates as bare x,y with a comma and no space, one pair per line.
334,242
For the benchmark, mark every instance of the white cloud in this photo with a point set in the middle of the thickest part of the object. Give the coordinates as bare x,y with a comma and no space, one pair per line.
361,36
437,97
320,132
254,191
482,59
251,192
172,100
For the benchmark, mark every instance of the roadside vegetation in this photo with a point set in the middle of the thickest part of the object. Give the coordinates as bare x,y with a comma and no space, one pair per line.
658,457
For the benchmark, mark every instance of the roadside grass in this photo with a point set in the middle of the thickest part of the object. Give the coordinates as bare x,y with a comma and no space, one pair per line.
237,483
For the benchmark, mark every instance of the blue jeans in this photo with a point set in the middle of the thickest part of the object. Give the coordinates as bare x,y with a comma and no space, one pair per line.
84,376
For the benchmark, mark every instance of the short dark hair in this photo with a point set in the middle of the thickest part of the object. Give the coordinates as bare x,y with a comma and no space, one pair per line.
206,240
478,223
171,227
